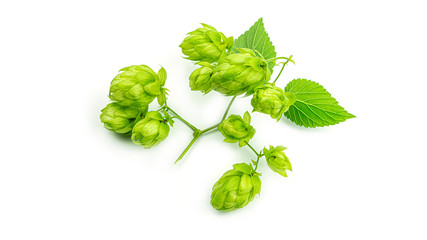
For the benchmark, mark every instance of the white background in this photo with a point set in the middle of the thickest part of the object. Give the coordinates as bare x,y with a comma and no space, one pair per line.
63,176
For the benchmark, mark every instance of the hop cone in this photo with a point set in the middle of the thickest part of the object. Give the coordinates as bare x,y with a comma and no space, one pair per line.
206,44
237,129
137,86
272,100
277,160
239,73
200,79
151,130
121,119
236,188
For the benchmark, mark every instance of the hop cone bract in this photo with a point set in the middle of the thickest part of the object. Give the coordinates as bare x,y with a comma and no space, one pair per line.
206,44
236,188
277,160
239,73
272,100
237,129
121,119
137,85
151,130
200,79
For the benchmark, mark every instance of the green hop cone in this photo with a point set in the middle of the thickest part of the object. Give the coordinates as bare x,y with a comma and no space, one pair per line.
239,73
272,100
206,44
138,85
236,188
151,130
277,160
237,129
121,119
200,79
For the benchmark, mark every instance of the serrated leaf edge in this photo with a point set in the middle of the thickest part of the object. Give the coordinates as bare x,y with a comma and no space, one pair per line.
342,113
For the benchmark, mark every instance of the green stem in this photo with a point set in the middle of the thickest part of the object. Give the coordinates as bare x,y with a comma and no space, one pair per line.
228,108
259,155
209,128
196,136
182,119
281,70
259,54
197,132
274,59
256,164
252,148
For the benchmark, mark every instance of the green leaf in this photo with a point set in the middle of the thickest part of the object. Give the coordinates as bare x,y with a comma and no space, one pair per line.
256,38
314,107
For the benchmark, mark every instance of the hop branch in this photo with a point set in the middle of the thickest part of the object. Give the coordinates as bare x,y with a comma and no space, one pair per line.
232,68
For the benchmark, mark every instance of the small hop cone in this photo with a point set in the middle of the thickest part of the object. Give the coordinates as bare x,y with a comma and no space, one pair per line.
272,100
277,160
137,85
236,188
239,73
121,119
206,44
200,79
237,129
151,130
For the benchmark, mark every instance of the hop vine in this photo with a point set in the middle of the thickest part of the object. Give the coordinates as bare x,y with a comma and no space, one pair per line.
233,68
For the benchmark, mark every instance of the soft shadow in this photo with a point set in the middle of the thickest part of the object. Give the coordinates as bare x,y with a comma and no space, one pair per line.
122,137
